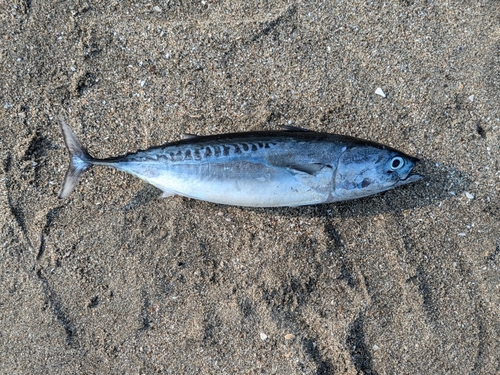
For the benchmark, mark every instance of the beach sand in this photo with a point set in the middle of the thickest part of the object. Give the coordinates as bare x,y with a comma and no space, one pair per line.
116,280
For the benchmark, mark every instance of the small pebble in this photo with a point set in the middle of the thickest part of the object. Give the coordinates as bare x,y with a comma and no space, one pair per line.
289,336
375,348
263,336
380,92
471,98
469,195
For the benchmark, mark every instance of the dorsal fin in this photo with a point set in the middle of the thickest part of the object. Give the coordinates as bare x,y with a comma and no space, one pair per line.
189,136
290,128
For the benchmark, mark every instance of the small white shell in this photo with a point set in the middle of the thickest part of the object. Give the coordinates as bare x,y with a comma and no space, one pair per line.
380,92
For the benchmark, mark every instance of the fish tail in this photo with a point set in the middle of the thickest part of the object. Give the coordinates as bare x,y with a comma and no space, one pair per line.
79,159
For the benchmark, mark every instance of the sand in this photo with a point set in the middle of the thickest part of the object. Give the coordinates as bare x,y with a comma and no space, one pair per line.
116,280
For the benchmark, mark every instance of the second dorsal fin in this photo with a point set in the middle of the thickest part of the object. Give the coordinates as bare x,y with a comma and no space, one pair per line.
289,128
189,136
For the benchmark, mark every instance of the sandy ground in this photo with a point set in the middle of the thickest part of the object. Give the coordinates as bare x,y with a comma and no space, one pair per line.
116,280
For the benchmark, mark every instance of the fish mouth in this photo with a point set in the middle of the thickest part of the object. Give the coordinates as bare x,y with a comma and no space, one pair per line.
410,178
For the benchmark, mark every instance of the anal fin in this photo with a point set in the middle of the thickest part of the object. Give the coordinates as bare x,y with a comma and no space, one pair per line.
167,193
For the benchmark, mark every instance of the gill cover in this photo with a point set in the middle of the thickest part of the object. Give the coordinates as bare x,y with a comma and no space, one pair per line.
366,170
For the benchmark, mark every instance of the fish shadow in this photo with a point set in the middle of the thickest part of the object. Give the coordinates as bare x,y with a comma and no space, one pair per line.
143,197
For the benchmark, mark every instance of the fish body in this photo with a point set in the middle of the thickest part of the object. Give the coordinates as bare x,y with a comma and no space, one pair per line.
293,167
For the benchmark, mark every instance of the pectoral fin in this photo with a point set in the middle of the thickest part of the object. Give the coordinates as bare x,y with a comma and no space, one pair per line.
312,168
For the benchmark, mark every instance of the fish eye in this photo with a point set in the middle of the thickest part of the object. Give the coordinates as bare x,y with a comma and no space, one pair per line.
397,162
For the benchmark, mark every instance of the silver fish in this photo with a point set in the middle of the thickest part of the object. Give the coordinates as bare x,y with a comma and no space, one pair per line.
292,167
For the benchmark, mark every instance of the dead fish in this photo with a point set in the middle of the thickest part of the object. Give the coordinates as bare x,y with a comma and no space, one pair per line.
291,167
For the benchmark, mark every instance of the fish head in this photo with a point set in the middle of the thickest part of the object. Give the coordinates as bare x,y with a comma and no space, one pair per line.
364,170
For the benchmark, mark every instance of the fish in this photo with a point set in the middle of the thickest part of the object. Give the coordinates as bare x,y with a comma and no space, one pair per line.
283,168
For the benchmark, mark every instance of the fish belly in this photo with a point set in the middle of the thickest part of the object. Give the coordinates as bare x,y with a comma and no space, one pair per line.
243,183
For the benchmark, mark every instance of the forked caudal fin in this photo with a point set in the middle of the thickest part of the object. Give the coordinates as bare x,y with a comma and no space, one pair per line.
79,159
